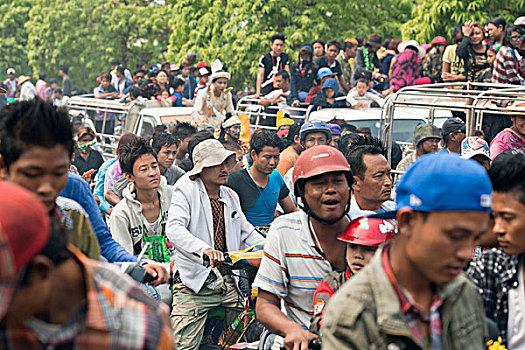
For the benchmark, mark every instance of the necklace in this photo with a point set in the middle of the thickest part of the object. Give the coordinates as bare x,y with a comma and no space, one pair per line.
368,65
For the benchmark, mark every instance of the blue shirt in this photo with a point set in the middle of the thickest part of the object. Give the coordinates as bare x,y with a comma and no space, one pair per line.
99,187
258,203
78,190
178,100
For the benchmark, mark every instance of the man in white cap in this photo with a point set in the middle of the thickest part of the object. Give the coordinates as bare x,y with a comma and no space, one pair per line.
201,209
11,83
232,132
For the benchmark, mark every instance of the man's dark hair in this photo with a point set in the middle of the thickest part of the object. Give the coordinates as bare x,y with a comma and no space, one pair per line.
133,151
125,140
278,36
139,70
187,164
294,130
348,45
364,145
162,139
64,69
231,146
32,123
105,76
264,138
59,91
335,43
498,21
135,91
360,39
183,130
506,173
284,74
457,30
364,130
177,82
348,140
42,76
348,127
121,70
363,80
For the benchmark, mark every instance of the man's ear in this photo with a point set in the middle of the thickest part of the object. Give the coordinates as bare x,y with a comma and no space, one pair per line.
356,185
406,218
3,169
253,154
296,139
40,271
129,177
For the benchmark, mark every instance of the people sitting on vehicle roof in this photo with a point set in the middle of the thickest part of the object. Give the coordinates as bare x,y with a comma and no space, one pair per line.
328,98
512,138
426,140
271,63
432,65
322,75
406,66
302,247
333,47
201,210
303,75
59,100
204,77
506,64
212,103
360,97
189,81
453,131
281,93
372,185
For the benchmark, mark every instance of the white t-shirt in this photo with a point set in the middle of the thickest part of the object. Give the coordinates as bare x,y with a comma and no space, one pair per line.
516,320
60,103
353,98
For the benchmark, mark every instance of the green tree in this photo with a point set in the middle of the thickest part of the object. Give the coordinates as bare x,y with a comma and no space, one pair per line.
431,18
13,48
237,31
87,34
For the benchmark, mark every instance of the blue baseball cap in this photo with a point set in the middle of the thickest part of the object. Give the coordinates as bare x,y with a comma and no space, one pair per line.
443,182
324,72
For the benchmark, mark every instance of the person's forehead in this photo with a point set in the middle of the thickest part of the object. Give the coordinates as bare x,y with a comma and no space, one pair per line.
270,150
315,135
168,148
278,42
147,158
375,162
38,156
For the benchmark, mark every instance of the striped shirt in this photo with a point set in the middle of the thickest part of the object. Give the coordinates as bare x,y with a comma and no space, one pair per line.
292,266
118,314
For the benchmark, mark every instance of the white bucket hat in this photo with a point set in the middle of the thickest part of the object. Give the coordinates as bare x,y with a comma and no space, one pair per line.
231,122
420,51
210,153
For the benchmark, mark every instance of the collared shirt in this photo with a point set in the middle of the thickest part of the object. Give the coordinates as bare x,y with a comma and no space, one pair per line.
292,266
415,315
355,211
118,314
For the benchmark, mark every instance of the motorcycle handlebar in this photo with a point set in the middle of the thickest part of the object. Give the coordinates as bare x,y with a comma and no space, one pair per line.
206,259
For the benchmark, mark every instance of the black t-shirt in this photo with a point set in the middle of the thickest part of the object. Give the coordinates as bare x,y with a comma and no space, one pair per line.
258,203
271,66
94,161
335,67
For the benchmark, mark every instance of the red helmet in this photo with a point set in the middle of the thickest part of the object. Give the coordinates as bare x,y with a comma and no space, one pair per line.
439,40
319,160
371,232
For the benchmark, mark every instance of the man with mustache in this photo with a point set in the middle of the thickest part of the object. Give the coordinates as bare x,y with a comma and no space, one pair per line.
413,293
205,218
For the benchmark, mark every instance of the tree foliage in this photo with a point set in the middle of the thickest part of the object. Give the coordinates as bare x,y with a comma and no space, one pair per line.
431,18
87,34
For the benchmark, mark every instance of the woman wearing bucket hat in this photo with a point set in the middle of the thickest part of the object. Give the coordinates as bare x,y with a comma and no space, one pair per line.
202,209
213,102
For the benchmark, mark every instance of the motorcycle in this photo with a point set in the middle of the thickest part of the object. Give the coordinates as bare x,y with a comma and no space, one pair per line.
244,328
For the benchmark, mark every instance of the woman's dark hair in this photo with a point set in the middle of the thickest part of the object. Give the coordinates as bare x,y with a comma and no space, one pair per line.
32,123
162,139
133,151
135,91
264,138
294,130
507,173
360,39
177,82
457,30
318,41
42,76
508,31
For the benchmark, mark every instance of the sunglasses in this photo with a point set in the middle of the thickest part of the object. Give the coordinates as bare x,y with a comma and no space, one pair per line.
516,37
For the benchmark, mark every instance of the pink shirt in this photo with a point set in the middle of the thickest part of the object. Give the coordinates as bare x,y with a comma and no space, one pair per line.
506,140
41,87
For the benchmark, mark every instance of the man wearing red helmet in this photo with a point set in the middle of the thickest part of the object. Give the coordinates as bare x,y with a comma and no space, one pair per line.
362,237
302,247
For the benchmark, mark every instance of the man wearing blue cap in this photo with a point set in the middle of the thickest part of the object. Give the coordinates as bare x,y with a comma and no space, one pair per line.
413,293
323,74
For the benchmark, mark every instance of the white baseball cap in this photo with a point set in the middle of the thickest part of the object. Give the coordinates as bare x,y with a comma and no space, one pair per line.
11,71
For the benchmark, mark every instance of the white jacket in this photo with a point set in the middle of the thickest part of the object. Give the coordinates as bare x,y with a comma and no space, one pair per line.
190,228
126,218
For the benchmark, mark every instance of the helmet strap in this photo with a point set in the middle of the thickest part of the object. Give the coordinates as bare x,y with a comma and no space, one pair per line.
306,208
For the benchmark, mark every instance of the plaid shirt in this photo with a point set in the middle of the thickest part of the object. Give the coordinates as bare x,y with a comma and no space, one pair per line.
118,315
506,67
495,273
415,315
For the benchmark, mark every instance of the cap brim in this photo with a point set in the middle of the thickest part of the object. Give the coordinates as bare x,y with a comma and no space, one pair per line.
384,215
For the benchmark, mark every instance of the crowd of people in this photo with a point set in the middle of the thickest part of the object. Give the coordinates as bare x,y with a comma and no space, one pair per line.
353,258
